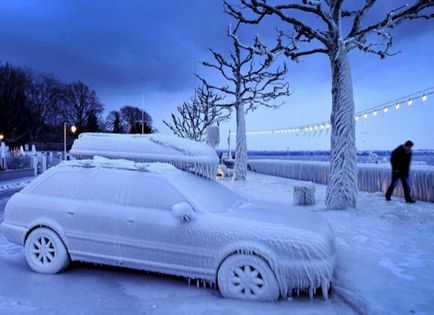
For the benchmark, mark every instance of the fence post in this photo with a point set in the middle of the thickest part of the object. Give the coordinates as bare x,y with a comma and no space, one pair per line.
43,162
35,165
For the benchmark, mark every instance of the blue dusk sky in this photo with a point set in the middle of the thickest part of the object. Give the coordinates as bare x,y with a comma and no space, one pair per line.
126,49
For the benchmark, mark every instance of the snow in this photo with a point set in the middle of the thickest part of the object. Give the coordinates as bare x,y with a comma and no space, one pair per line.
384,252
371,177
185,154
9,187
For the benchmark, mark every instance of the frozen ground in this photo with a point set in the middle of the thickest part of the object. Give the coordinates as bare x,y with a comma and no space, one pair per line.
385,254
385,249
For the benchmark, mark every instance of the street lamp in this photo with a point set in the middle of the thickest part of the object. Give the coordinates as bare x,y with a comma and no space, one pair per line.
1,137
73,130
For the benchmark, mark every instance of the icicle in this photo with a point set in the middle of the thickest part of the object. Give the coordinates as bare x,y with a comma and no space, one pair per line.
310,292
325,288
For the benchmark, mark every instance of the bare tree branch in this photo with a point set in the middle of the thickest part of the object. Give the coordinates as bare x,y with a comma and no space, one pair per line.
196,115
252,82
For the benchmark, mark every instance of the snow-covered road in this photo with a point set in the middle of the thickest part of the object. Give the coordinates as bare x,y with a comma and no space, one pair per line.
385,254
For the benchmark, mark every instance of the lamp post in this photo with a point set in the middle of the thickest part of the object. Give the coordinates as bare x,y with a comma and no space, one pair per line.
143,114
1,137
73,130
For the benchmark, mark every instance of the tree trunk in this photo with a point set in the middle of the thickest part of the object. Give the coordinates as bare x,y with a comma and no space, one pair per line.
241,144
342,185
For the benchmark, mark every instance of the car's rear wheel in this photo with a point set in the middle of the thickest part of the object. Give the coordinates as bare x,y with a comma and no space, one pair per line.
45,251
247,277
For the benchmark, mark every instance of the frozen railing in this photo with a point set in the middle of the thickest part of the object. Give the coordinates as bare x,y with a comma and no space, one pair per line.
371,177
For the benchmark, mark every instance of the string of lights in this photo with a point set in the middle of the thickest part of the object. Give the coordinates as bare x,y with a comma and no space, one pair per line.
382,109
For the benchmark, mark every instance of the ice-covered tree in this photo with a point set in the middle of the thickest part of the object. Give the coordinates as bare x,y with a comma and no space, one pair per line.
197,114
328,27
251,80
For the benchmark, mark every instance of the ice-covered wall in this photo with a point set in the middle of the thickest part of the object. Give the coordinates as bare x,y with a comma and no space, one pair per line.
371,177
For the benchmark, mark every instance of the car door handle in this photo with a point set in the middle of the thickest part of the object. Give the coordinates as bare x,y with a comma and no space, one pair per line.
70,212
130,221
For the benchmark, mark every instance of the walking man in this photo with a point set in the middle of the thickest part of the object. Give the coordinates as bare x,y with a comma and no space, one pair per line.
400,160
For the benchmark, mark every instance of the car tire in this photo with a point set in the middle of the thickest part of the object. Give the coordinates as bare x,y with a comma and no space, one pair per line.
45,252
247,277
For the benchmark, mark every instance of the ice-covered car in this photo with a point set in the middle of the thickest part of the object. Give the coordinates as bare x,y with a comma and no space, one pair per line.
155,217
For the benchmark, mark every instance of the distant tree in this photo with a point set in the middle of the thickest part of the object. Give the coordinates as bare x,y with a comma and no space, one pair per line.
327,27
15,114
78,103
92,124
113,122
197,114
251,82
43,93
131,117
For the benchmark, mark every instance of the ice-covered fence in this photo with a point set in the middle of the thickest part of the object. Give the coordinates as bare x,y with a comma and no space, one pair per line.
371,178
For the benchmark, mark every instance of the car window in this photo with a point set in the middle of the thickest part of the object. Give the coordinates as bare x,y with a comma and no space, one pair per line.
208,195
61,184
151,191
103,186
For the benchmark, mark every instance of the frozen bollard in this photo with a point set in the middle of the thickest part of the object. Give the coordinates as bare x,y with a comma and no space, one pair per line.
223,171
304,194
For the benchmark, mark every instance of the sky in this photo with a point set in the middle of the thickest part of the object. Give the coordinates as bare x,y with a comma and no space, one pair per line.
133,50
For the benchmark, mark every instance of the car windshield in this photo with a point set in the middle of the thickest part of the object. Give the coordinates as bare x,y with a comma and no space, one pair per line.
207,194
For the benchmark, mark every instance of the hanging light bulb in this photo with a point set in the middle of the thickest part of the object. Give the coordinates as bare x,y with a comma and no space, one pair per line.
424,97
386,109
374,113
410,102
357,118
397,106
365,116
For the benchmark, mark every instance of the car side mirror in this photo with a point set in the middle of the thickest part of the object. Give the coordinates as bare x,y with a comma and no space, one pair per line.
183,212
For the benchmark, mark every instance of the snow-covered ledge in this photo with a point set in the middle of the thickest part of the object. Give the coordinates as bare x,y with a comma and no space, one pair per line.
371,177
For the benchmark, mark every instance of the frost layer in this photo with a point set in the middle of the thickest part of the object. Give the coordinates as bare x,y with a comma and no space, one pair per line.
371,177
184,154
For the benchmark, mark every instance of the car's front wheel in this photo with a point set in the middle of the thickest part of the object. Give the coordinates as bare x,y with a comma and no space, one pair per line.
45,251
247,277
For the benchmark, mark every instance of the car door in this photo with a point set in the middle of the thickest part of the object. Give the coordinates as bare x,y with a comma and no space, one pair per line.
94,217
151,238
